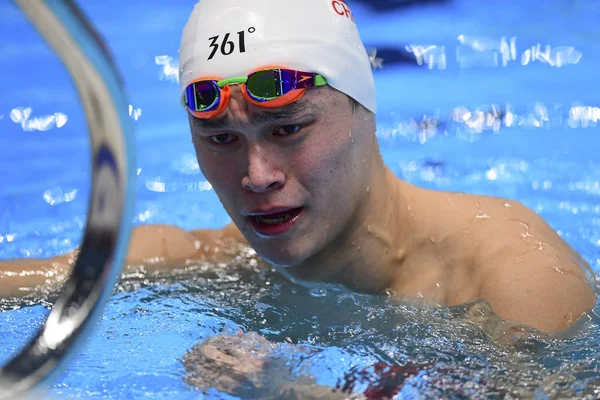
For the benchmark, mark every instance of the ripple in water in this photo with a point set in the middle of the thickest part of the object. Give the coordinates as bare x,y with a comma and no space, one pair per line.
251,333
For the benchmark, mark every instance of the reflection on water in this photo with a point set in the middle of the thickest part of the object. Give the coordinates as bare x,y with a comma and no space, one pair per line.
477,52
135,113
58,195
170,68
249,332
22,116
466,123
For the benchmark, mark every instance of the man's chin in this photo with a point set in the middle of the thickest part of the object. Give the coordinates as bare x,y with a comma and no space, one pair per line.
280,256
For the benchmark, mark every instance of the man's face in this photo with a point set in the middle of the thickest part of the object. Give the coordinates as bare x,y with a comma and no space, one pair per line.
291,178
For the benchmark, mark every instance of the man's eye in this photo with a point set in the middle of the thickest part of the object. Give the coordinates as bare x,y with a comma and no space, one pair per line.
224,138
288,129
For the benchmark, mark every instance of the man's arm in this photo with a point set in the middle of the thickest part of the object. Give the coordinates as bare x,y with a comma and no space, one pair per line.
164,247
156,247
546,292
23,276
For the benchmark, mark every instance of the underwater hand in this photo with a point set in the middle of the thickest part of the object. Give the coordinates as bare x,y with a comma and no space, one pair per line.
228,362
243,364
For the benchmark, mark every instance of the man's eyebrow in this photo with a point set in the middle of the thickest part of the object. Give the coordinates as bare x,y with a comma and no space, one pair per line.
277,114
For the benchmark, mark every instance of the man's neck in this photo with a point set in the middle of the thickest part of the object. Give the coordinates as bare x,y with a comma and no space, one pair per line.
367,254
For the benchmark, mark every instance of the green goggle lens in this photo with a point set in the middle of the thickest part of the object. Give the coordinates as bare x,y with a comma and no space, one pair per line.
265,85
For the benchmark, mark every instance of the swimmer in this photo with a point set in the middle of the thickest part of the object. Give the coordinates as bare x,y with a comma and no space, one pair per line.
281,105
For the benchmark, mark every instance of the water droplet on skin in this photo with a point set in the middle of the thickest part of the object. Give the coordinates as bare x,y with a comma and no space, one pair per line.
389,292
368,189
419,295
350,134
526,226
559,269
507,205
438,285
482,218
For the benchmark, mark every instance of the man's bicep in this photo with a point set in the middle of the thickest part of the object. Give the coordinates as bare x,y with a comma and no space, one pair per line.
536,292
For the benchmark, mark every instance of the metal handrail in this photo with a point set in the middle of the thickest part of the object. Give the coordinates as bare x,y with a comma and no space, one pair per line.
106,237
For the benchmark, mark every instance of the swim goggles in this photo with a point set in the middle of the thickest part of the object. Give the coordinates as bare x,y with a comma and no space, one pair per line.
268,87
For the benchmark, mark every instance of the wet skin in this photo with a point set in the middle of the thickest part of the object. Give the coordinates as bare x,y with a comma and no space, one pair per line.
363,227
355,222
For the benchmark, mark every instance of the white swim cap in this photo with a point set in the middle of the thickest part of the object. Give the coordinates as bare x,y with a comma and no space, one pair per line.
231,38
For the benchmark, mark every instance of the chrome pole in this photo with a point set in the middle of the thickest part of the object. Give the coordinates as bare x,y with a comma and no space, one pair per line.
104,245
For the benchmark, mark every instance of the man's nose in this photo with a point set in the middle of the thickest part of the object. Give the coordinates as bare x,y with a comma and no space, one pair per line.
262,176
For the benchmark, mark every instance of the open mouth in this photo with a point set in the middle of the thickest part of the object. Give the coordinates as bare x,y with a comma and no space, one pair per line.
275,223
274,219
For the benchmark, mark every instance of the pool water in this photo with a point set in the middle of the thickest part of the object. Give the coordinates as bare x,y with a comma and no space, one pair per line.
504,103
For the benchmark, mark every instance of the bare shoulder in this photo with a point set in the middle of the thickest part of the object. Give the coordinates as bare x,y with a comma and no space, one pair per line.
529,273
511,231
491,226
513,258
